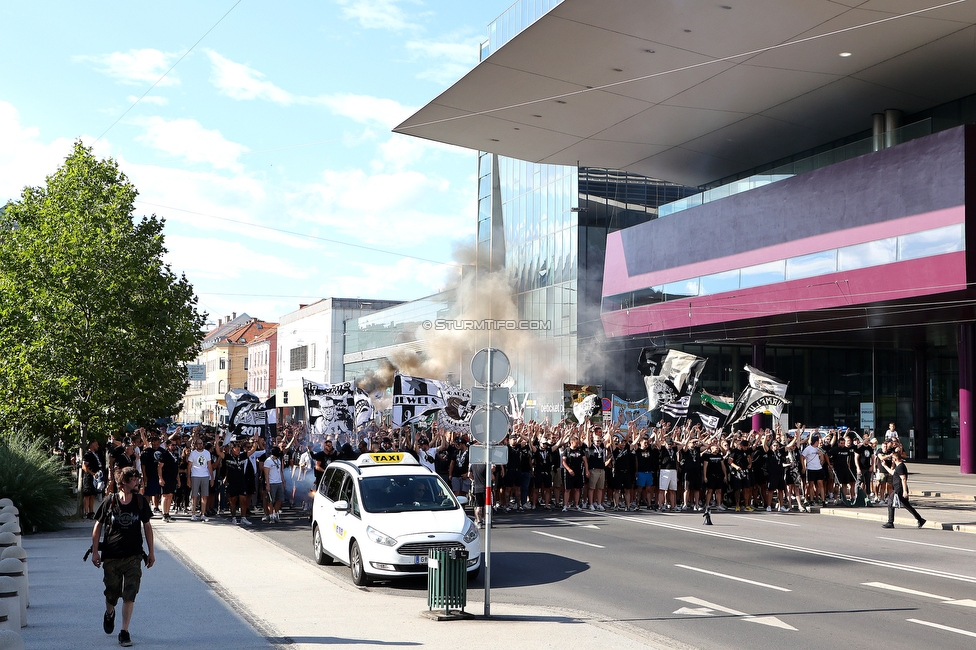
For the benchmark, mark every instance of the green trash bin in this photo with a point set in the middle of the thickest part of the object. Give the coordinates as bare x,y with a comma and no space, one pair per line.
447,579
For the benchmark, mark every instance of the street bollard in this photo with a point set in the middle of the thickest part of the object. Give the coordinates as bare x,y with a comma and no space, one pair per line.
11,508
6,517
5,502
19,553
7,540
14,568
10,598
10,640
12,527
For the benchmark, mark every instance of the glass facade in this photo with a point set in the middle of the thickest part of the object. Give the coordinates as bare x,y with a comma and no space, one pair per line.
937,241
515,19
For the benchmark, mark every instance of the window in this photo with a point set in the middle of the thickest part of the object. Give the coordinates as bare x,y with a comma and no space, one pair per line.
761,274
298,358
720,282
223,363
808,266
311,356
931,242
345,493
869,254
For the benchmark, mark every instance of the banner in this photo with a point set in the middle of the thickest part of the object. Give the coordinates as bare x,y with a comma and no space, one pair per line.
583,402
753,401
710,421
650,360
720,403
632,412
677,408
456,415
660,391
363,407
249,416
414,397
765,382
330,407
681,369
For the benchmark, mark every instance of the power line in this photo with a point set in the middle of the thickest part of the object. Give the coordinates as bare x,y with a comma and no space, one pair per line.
141,97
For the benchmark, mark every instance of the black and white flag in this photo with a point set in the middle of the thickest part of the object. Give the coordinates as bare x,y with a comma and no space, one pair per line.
456,415
363,407
414,397
660,391
249,416
710,421
682,370
330,407
677,408
766,382
753,401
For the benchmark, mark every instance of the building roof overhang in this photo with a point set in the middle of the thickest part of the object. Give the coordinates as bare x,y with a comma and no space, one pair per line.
695,91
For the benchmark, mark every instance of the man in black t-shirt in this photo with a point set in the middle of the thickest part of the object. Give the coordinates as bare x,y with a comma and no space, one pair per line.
235,462
167,472
150,473
91,465
322,459
899,484
575,472
647,467
124,516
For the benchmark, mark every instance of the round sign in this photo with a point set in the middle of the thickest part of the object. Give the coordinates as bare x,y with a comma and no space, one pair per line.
489,424
605,404
500,366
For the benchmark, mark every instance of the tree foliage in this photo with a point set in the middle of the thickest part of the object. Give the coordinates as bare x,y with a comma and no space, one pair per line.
96,327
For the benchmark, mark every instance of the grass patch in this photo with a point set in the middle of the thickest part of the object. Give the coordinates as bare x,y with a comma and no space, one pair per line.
35,480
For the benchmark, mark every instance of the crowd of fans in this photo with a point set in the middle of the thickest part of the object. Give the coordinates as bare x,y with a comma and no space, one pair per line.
204,472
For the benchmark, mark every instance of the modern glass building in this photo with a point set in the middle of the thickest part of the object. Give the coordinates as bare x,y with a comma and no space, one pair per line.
832,149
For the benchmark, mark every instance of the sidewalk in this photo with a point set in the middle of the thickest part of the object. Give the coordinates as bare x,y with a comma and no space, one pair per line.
945,498
217,585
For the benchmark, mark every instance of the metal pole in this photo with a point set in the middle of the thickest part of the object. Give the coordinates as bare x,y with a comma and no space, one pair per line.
488,506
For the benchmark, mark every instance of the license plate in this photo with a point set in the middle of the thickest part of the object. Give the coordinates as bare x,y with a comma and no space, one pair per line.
420,559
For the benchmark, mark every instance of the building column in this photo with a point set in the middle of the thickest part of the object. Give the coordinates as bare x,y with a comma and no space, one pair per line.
920,404
967,435
759,363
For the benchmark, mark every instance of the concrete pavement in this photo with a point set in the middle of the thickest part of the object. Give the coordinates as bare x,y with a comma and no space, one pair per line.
216,585
945,498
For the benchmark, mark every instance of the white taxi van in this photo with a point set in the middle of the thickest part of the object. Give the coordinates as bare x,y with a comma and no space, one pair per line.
383,512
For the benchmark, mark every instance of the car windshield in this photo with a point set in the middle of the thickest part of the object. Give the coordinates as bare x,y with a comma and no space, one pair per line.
405,494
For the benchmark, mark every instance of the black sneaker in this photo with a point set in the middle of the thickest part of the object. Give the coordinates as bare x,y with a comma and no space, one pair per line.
124,639
887,525
108,622
921,522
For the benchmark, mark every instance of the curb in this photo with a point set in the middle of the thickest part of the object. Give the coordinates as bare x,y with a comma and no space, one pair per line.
948,495
905,521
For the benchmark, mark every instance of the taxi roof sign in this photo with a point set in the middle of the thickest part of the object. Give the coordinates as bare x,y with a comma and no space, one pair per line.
386,458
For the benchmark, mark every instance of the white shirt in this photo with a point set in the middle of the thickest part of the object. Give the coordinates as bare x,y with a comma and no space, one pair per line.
273,466
199,461
812,454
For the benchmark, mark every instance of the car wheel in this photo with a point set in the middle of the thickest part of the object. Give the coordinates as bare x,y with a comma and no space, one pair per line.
356,567
318,551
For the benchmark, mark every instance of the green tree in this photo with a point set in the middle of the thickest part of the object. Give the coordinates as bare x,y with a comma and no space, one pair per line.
95,328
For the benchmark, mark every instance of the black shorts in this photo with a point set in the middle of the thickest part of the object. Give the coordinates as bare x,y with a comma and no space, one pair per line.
715,482
571,481
88,485
776,483
543,480
512,479
479,498
816,475
693,480
624,481
740,481
235,489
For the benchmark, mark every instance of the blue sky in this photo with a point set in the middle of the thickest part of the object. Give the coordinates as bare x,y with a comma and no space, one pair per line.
279,117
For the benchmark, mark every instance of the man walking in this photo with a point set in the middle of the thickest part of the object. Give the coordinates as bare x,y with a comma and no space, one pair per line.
899,480
201,478
124,516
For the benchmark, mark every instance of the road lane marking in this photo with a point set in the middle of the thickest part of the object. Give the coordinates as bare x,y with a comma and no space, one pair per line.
724,575
575,523
566,539
771,621
942,627
763,520
904,590
708,532
908,541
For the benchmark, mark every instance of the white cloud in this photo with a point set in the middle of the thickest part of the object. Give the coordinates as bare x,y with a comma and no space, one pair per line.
406,278
377,14
366,109
239,81
136,66
189,140
149,99
451,58
400,151
389,210
24,159
216,258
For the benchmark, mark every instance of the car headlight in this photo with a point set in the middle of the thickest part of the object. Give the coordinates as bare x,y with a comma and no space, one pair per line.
470,532
380,538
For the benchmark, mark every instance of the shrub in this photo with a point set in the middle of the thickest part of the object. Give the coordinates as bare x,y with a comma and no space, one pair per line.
35,480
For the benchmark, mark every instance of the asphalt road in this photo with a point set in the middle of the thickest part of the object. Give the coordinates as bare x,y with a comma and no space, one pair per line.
758,580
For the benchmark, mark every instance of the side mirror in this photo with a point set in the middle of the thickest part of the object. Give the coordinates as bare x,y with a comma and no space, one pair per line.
462,500
342,506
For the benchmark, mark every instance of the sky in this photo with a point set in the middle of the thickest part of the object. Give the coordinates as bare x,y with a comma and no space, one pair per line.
261,133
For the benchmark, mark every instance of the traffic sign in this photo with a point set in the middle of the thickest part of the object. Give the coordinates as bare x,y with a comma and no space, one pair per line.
500,366
499,454
489,424
479,396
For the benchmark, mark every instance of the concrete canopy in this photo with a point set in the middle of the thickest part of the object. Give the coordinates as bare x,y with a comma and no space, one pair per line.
692,91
